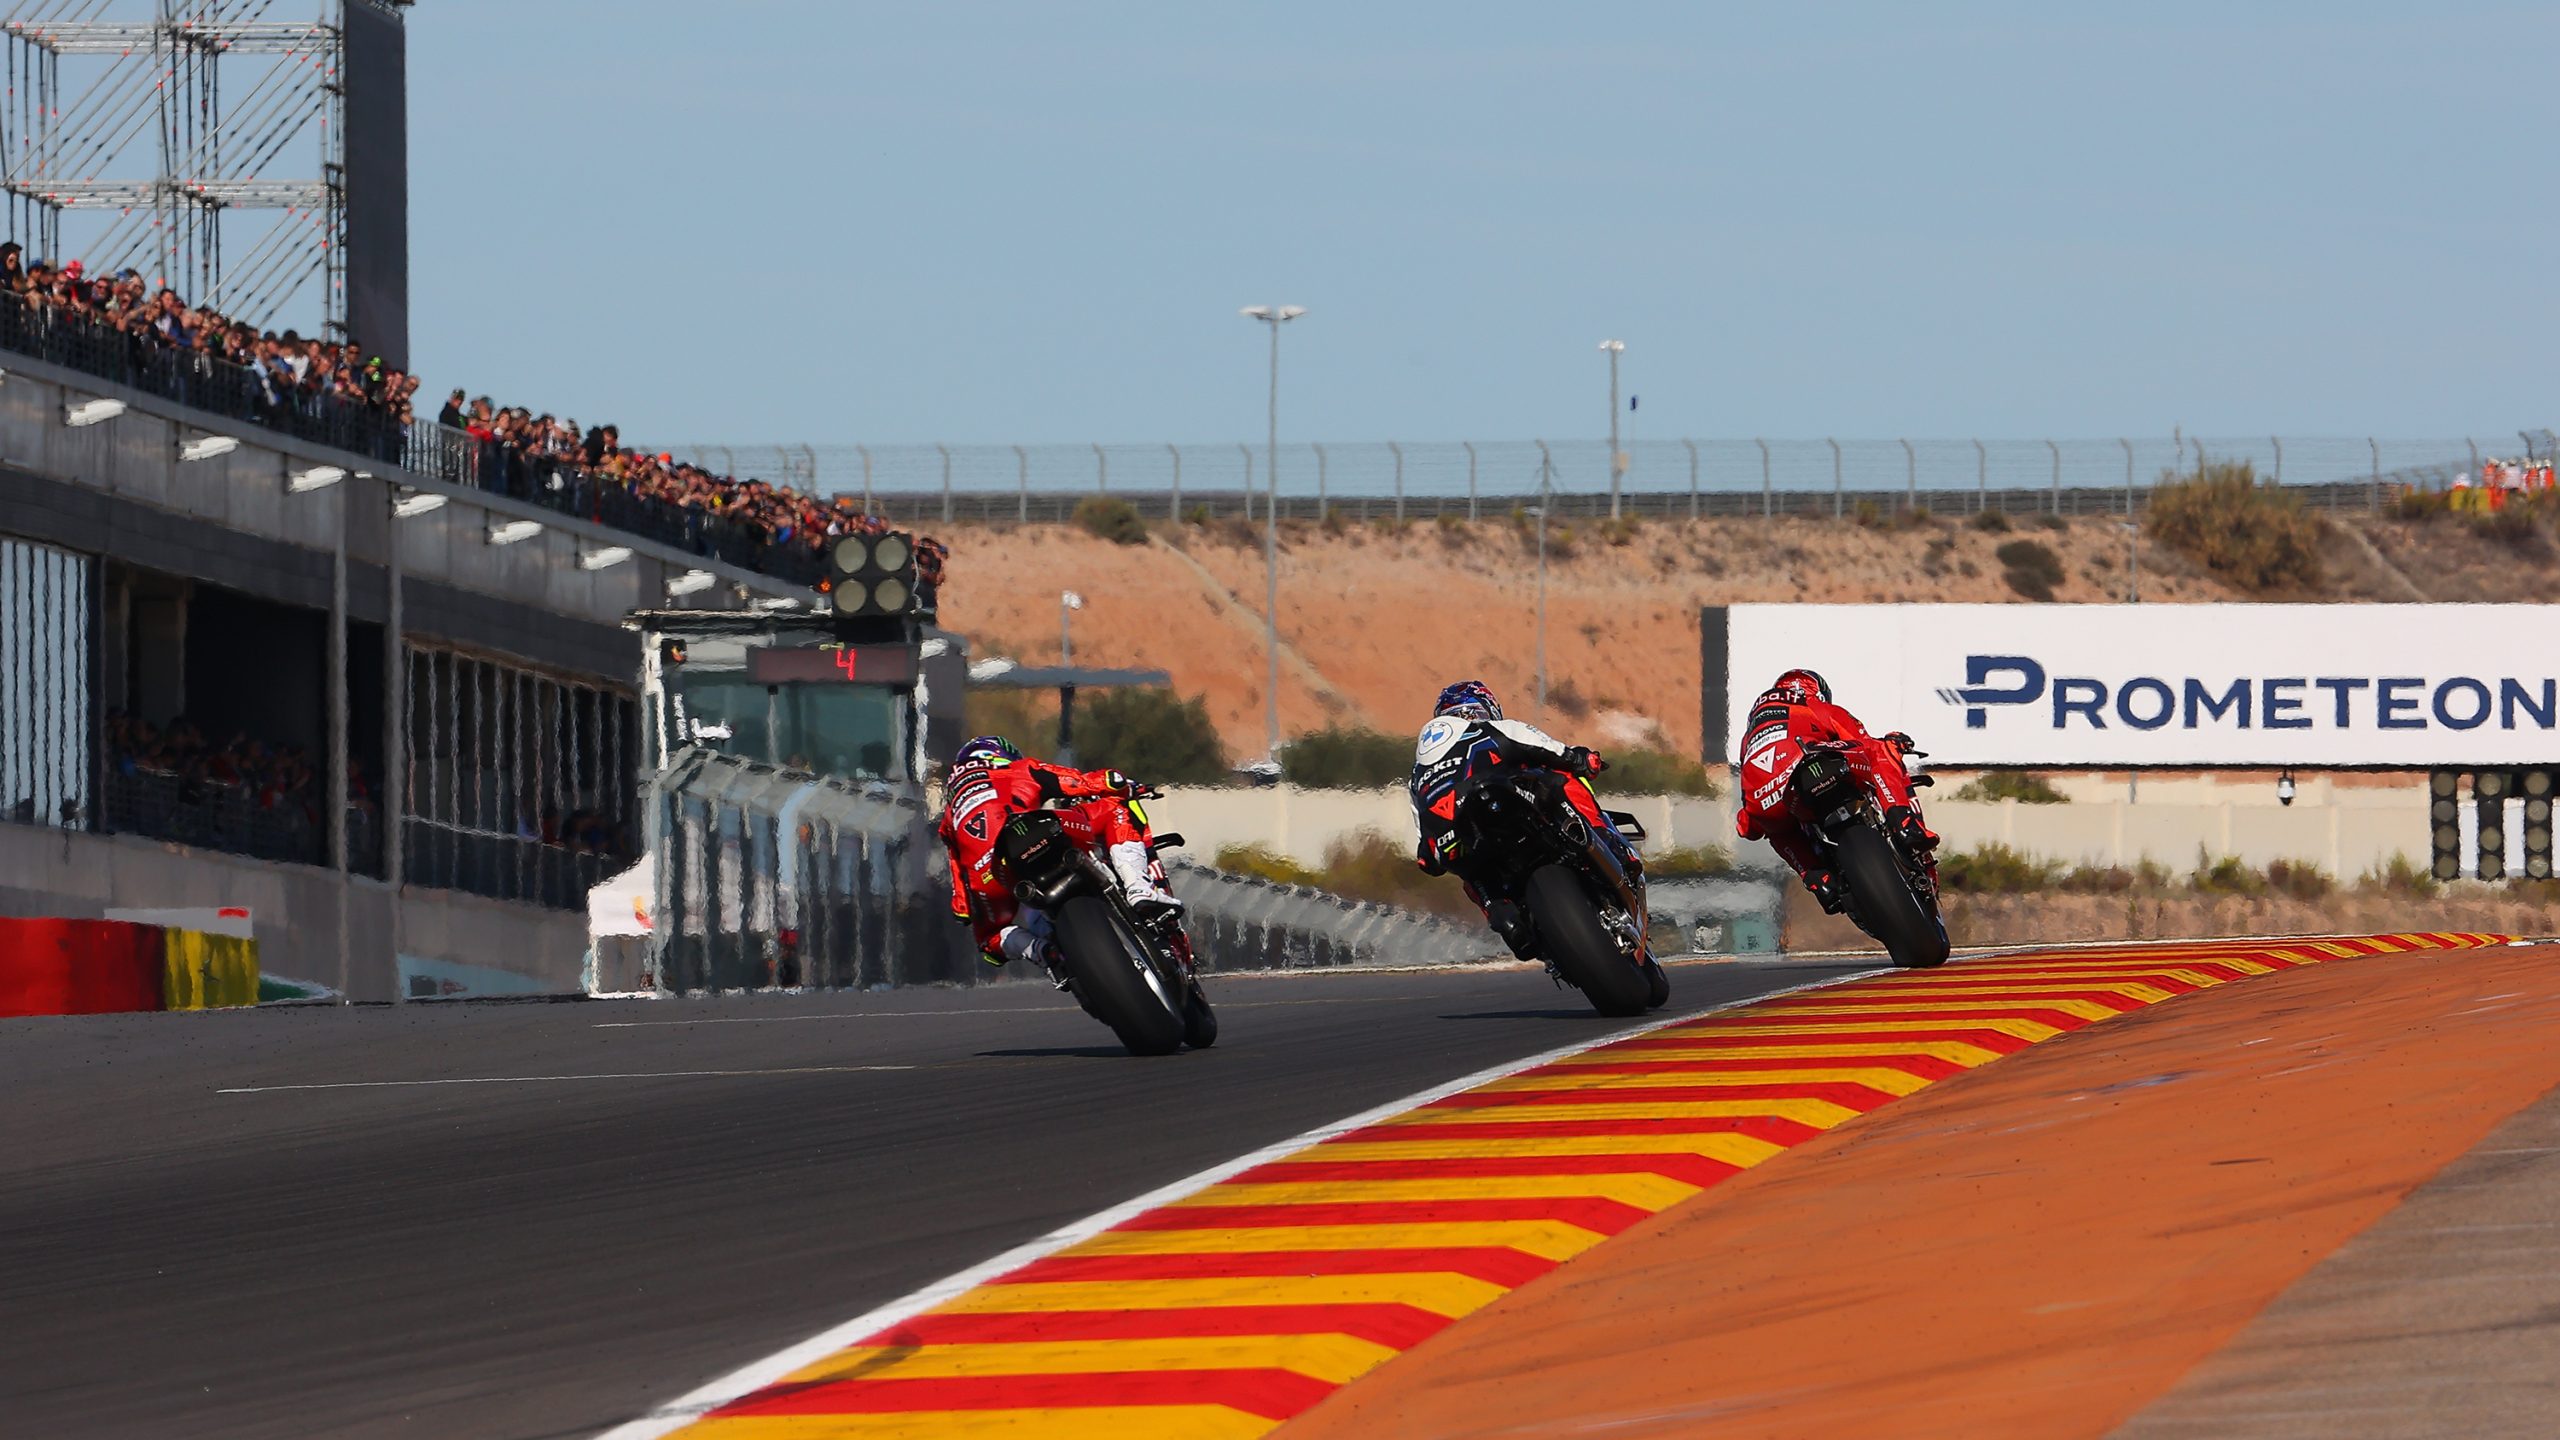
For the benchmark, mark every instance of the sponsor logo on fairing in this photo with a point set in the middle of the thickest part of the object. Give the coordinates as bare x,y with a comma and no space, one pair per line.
2355,703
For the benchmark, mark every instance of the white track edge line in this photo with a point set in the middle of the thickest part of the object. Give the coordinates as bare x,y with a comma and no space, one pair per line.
756,1375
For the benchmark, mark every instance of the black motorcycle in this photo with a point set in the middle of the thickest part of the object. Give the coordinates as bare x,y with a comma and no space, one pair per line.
1892,886
1130,970
1519,832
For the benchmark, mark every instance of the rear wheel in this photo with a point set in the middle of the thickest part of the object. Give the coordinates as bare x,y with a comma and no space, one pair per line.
1115,976
1657,985
1571,934
1880,899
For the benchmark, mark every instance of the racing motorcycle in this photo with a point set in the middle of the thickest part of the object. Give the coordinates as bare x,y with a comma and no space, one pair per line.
1892,887
1520,832
1129,969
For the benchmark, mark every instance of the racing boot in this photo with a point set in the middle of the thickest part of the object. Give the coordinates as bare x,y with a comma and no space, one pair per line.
1916,837
1513,927
1129,859
1829,889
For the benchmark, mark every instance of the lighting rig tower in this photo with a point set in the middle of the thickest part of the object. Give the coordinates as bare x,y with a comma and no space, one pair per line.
132,130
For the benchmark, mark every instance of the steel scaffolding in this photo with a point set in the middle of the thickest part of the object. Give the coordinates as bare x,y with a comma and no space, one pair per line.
174,113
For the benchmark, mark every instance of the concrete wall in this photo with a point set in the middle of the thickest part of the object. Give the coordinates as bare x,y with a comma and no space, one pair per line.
242,496
2346,829
294,912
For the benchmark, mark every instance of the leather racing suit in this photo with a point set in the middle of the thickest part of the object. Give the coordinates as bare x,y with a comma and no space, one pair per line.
978,800
1781,728
1440,757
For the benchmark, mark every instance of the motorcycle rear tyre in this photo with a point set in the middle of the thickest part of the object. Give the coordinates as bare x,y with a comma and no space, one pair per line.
1571,934
1881,899
1657,985
1199,1022
1106,955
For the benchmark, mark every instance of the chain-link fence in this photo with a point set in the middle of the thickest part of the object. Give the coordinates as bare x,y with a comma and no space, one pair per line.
1718,477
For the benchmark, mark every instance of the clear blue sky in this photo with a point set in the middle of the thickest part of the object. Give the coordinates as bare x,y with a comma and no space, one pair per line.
841,222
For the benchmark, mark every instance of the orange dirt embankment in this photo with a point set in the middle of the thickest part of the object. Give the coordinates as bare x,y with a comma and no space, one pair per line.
1382,617
1386,618
2036,1248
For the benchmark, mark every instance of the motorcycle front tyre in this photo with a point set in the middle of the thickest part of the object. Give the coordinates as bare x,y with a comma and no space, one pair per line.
1571,934
1110,962
1882,898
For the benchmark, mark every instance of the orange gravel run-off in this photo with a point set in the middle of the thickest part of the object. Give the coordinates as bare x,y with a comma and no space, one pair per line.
2036,1248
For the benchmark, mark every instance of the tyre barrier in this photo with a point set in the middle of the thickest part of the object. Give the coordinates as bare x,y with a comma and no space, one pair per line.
97,967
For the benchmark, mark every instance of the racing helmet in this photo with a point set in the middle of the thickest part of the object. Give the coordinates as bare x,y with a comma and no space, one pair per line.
1802,685
991,751
1470,698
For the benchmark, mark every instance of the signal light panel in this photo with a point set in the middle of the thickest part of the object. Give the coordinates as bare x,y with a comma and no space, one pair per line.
2502,833
870,575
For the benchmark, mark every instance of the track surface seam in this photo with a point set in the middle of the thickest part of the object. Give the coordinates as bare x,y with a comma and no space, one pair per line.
1225,1310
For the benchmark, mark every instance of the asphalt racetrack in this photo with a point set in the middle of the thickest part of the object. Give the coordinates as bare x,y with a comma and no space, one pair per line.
530,1220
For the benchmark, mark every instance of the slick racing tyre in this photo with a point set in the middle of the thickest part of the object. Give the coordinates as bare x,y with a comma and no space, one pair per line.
1116,978
1880,900
1199,1022
1571,934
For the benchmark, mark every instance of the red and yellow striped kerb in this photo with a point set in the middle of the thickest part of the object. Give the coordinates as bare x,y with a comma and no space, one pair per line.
1226,1312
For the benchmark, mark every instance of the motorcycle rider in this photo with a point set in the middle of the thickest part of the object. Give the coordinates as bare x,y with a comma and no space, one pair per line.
1794,713
989,782
1465,714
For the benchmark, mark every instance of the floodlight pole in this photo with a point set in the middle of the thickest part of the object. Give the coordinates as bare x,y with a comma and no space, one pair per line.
1274,316
1617,457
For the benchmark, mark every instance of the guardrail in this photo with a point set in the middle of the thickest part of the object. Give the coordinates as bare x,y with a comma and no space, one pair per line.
1242,922
775,879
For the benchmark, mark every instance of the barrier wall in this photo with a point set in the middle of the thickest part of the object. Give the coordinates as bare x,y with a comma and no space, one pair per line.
97,967
2346,829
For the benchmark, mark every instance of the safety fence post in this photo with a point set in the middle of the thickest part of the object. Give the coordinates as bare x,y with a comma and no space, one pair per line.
1981,477
1101,472
1247,452
1837,503
946,486
1471,478
1398,451
1021,480
1693,477
1323,507
1173,511
1768,497
2057,475
1911,478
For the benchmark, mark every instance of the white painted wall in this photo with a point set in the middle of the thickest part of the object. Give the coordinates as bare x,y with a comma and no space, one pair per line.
2346,829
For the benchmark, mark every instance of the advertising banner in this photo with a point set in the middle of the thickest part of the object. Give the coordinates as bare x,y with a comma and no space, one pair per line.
2399,686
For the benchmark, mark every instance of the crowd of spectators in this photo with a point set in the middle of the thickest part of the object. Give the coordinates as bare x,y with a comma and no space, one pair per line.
336,393
242,794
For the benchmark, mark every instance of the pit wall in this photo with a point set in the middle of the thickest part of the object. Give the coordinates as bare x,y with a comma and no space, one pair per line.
2347,825
414,943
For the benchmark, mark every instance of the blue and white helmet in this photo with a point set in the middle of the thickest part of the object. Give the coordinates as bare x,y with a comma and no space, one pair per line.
1472,699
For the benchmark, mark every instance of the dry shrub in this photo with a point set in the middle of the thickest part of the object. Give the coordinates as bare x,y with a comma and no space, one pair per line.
2223,521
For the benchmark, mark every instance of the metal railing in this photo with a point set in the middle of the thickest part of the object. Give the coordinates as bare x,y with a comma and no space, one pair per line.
770,878
1242,922
1676,477
234,819
141,361
773,878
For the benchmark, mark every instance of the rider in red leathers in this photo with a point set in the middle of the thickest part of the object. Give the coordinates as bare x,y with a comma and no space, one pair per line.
990,781
1794,713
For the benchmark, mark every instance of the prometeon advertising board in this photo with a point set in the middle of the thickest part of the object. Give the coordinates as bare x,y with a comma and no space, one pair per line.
2401,686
